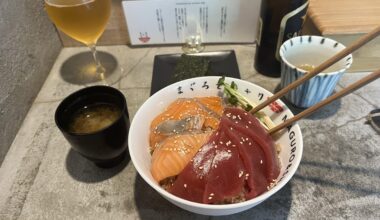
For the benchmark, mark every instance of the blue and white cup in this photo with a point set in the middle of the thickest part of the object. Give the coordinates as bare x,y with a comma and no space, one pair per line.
311,51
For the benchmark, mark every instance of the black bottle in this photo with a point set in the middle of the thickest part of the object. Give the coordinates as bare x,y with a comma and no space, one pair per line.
279,21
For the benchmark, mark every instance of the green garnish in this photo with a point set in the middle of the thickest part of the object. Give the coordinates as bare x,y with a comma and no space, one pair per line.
233,96
237,99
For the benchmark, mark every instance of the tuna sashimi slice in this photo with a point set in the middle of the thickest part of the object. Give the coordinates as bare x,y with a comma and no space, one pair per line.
238,162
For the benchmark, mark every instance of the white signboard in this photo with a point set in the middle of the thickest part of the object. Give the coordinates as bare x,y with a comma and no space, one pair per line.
172,21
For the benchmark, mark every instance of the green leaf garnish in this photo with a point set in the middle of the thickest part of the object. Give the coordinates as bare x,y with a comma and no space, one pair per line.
237,99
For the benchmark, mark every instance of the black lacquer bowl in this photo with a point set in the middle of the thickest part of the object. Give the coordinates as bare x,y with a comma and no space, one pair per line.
106,147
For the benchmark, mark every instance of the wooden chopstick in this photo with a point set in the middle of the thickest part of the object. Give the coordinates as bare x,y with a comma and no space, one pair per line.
357,44
362,82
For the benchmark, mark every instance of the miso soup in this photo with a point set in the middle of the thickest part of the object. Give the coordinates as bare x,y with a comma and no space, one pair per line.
92,118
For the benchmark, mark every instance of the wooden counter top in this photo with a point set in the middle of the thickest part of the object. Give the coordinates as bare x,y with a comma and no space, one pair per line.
333,17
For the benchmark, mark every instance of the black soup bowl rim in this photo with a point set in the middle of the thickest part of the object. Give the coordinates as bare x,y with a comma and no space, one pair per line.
83,93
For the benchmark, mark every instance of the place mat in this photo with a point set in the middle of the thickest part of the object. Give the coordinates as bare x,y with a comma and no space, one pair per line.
222,63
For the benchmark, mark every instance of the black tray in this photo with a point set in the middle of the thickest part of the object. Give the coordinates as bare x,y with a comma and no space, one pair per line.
221,63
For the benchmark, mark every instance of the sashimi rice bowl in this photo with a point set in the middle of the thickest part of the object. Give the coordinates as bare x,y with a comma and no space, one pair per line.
199,146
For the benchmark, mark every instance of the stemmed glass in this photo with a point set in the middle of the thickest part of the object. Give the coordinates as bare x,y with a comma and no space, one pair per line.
84,21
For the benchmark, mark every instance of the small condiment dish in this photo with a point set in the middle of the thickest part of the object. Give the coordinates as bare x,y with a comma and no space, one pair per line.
311,51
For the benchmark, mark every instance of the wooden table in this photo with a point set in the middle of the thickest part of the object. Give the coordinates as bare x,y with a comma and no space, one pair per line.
345,21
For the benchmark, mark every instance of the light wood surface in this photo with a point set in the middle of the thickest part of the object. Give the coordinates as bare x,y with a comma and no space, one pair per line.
345,21
344,16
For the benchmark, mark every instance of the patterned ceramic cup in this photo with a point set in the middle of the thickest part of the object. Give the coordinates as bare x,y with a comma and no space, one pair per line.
301,53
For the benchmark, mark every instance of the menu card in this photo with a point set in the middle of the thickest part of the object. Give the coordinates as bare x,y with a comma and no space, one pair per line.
173,21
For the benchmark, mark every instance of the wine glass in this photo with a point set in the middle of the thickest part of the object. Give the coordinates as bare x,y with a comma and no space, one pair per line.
84,21
192,37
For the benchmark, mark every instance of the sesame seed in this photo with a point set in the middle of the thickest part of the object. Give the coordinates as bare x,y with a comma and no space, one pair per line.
233,117
220,142
249,143
201,168
215,166
241,142
261,161
210,198
241,174
185,185
233,145
211,194
247,174
229,151
249,122
231,128
246,126
245,113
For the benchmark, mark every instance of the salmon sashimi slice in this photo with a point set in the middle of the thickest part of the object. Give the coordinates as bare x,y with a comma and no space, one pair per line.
207,106
170,127
210,108
173,127
213,103
174,153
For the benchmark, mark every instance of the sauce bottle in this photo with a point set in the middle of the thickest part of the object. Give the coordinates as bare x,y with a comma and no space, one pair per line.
279,21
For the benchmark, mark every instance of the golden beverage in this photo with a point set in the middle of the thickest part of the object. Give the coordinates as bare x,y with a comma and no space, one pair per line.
83,20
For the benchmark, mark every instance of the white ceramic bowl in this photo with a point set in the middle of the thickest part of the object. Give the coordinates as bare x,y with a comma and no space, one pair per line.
311,50
290,139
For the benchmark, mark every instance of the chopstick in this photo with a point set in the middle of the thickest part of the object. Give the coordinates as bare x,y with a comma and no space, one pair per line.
358,84
348,50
